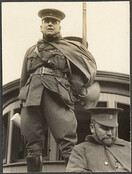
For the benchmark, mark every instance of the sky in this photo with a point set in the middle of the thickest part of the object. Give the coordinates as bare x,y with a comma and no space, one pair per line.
108,32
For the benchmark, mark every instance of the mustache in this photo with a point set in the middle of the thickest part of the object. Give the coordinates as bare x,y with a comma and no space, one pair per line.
108,137
50,28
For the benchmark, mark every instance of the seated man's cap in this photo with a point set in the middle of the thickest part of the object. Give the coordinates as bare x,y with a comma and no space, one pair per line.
51,13
105,116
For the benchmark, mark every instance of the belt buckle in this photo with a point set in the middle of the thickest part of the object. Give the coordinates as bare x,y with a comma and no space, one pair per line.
41,71
45,70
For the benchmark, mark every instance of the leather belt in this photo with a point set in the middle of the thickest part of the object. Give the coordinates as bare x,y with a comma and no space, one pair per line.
44,70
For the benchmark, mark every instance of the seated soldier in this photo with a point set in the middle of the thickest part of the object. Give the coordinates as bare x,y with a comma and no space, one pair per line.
102,151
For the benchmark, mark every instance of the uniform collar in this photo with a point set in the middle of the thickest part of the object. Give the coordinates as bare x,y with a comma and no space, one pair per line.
42,41
56,37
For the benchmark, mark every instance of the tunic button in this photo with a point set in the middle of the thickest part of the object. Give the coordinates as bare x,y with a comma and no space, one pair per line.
82,103
106,163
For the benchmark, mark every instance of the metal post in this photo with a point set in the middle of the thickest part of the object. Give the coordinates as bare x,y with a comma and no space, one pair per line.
84,27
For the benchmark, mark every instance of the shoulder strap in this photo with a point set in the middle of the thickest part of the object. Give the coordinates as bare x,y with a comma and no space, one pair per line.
69,67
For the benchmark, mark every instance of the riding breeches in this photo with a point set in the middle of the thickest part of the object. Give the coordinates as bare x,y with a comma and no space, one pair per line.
52,113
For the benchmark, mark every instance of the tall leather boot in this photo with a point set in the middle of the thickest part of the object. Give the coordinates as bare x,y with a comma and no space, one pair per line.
34,163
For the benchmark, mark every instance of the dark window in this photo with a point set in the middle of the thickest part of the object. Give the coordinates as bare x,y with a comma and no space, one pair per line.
18,149
124,122
101,104
59,155
5,136
83,129
83,119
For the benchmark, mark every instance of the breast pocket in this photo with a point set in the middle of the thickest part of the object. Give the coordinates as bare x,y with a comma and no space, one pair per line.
33,61
58,59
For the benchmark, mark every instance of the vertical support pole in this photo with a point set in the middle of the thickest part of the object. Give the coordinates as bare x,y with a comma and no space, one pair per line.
10,138
84,27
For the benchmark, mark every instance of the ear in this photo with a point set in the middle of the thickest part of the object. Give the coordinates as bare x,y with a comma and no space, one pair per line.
41,28
92,128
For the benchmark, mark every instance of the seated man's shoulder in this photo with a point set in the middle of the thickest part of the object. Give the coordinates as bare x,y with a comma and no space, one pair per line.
122,142
83,145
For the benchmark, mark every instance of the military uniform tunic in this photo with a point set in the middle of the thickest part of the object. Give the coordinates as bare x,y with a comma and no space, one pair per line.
90,156
51,59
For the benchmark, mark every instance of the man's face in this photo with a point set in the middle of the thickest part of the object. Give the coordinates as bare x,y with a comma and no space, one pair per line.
106,135
50,26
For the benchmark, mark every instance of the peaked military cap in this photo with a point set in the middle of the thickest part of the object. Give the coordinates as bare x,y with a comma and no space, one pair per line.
51,13
105,116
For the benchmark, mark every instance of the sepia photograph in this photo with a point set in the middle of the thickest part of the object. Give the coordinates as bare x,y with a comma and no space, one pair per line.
66,86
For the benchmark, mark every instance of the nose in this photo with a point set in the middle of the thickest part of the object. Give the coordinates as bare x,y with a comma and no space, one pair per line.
109,132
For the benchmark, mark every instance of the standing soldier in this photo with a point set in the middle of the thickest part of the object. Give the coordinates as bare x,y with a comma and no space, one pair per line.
56,73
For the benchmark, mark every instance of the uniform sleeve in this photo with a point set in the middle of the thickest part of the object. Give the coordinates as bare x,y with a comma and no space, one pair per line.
24,72
77,161
24,76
